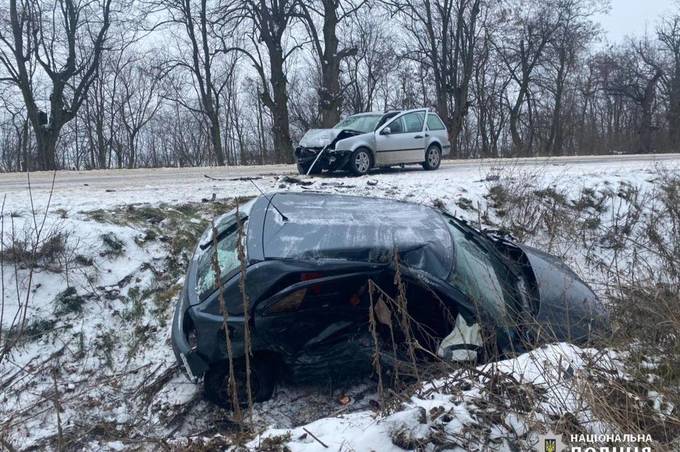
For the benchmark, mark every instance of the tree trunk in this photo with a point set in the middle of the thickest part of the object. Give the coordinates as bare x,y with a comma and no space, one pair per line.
46,147
279,107
329,93
646,139
674,106
216,138
554,145
517,142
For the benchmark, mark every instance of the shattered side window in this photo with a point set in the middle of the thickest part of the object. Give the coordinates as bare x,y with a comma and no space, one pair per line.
227,258
397,126
386,117
475,274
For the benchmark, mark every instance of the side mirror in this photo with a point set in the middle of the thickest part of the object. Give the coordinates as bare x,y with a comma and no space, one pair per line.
386,131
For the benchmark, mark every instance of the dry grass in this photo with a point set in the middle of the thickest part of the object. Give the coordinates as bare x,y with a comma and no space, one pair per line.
631,238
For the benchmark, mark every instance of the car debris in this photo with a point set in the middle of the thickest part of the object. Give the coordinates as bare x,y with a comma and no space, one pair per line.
295,180
316,264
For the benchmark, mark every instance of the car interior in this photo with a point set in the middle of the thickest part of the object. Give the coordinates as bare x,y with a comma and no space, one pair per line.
334,298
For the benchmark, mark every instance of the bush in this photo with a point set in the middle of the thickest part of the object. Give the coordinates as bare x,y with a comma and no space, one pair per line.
68,302
50,253
113,246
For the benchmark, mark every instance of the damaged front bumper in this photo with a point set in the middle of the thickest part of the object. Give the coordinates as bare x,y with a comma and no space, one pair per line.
198,339
193,365
330,159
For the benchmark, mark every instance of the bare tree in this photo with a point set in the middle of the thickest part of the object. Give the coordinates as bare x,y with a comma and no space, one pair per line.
521,48
489,84
574,32
444,34
669,37
326,47
266,22
368,69
199,51
637,74
139,101
239,80
100,112
59,43
14,132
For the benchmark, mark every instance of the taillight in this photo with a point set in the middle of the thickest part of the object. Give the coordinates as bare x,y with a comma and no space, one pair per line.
316,290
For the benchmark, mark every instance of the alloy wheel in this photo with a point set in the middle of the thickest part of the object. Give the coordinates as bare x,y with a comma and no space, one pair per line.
433,157
362,162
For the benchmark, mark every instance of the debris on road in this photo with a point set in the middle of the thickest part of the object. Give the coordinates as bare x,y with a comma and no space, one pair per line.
295,180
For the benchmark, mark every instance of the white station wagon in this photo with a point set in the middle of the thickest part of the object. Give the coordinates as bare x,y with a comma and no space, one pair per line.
369,140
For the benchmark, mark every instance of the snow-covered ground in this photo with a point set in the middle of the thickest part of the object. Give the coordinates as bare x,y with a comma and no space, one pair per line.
96,370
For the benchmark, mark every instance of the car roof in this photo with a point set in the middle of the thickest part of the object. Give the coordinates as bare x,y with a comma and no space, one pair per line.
327,226
368,113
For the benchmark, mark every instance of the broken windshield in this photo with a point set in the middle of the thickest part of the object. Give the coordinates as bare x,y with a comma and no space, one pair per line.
361,123
227,256
477,272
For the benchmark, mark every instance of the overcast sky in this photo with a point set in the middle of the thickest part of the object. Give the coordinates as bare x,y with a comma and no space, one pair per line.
633,17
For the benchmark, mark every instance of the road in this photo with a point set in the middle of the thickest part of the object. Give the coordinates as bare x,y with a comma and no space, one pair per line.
139,178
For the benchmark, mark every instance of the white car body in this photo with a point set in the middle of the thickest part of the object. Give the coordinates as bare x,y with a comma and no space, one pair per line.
399,141
400,137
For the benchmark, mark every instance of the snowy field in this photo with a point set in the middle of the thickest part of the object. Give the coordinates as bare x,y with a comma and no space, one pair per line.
94,368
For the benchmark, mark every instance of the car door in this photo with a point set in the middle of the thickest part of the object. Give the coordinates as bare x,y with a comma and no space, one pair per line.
319,324
402,140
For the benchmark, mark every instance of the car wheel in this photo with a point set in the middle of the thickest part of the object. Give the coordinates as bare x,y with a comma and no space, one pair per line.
433,158
360,162
302,169
262,382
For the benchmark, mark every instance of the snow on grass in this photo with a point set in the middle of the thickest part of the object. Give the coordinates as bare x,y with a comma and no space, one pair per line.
456,412
106,360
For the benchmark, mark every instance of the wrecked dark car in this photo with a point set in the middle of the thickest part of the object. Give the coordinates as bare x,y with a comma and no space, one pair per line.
314,266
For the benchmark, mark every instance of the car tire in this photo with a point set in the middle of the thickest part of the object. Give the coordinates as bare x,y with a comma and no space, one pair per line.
360,162
433,158
302,169
262,382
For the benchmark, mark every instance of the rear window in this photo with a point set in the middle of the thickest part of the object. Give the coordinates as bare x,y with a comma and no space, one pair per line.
434,123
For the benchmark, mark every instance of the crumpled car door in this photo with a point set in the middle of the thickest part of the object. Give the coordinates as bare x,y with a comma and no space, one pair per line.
320,327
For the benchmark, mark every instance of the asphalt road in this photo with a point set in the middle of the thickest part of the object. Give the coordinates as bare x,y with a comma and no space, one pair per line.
118,178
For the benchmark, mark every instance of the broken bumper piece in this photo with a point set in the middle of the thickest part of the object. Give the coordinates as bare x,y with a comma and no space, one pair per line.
193,365
330,159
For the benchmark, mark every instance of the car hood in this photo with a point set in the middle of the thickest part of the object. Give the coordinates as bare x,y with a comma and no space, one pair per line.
568,308
318,138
